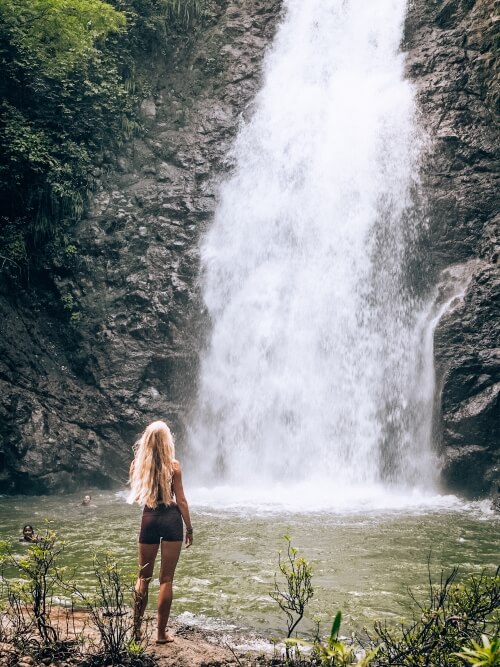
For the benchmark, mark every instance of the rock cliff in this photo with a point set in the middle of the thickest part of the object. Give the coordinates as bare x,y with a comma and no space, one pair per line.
453,59
109,337
108,340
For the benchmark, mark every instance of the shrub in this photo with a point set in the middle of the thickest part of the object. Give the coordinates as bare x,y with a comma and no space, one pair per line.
112,616
27,620
294,598
455,614
458,625
331,652
28,599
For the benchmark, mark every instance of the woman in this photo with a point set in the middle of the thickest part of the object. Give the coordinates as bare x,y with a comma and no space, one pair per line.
156,482
28,535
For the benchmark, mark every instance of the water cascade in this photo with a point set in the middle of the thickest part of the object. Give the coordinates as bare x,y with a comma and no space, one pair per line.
317,370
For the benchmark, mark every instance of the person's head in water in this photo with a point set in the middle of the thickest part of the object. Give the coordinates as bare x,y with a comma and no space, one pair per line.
28,533
152,470
86,499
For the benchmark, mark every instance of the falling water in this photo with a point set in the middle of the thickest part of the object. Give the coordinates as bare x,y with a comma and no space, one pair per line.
317,368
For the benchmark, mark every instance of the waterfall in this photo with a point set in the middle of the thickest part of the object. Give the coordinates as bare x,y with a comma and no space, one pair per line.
317,368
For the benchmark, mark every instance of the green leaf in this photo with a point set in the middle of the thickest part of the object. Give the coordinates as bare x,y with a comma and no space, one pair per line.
334,633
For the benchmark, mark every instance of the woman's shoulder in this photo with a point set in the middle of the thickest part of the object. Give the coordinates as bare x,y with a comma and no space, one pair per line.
176,465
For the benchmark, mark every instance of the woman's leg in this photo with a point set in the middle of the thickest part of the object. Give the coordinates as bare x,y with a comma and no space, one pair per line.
147,555
169,556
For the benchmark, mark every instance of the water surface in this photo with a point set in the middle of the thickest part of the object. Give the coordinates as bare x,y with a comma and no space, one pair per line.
363,560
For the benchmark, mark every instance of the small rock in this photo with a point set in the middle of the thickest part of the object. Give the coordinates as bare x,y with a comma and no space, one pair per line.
122,164
148,109
26,660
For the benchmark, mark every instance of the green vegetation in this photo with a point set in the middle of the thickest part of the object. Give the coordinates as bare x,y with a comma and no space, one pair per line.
32,591
69,306
293,599
31,624
485,655
457,625
71,81
444,627
110,614
331,652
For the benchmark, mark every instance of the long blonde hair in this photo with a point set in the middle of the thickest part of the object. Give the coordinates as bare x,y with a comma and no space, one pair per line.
152,469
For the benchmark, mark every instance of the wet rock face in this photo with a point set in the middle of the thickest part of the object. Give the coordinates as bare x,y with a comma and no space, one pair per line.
453,60
468,370
109,339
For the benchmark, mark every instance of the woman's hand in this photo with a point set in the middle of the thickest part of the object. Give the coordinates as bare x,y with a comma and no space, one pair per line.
189,539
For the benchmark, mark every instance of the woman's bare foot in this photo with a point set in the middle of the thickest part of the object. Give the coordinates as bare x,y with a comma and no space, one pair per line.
164,638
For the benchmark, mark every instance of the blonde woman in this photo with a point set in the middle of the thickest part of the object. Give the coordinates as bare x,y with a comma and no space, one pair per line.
156,483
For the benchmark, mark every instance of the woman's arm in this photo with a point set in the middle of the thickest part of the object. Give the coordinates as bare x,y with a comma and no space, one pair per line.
131,498
181,501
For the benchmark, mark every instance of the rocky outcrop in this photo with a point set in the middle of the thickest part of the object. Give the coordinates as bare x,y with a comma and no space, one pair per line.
108,339
453,58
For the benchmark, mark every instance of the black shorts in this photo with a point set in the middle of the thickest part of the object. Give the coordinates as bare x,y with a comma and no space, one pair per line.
161,523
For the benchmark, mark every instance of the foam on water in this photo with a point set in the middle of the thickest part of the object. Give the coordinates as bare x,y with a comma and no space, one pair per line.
223,632
318,496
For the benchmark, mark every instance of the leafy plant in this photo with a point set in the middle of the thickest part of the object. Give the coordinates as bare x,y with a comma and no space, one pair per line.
15,626
487,655
52,95
459,624
184,11
294,598
455,614
30,623
112,617
68,301
70,28
39,568
332,652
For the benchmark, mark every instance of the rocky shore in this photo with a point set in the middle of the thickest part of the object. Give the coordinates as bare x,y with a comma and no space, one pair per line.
192,647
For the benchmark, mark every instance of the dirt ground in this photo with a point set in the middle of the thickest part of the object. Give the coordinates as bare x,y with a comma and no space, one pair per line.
195,648
192,647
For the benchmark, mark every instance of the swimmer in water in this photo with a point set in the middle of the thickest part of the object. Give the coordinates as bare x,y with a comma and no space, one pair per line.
28,535
86,500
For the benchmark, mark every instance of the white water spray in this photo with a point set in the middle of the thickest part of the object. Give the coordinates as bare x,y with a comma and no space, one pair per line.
317,370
